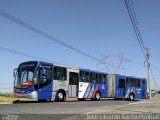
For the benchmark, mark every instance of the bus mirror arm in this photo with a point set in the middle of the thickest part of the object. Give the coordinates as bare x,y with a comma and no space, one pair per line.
14,72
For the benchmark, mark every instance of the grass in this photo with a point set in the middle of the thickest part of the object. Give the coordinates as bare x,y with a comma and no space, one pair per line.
9,97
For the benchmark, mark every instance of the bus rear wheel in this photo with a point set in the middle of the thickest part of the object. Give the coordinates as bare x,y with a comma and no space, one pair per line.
131,96
97,96
81,99
60,97
42,100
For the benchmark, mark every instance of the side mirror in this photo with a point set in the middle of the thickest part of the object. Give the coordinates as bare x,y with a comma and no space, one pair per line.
14,72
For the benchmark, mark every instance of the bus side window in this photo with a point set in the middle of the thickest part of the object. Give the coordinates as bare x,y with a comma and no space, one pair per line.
73,78
60,73
94,78
121,83
84,76
97,78
137,83
143,82
48,72
87,76
129,82
102,79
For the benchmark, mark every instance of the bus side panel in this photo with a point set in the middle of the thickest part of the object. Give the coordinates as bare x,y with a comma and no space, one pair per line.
59,84
103,88
83,89
92,90
138,93
120,91
144,90
128,90
45,92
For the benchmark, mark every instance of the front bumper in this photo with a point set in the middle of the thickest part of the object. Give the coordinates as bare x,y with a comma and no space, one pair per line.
32,95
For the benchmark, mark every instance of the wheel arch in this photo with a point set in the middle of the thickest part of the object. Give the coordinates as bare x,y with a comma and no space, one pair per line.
98,92
61,90
56,95
132,93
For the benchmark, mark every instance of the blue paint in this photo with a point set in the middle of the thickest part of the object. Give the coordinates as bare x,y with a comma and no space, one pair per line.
24,90
144,89
45,92
103,88
139,91
120,92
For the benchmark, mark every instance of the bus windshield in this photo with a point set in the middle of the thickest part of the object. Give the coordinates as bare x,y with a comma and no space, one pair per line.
24,75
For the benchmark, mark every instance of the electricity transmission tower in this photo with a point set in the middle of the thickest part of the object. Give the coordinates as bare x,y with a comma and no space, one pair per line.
113,63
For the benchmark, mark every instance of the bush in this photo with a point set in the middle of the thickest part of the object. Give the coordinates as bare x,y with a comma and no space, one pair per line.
6,95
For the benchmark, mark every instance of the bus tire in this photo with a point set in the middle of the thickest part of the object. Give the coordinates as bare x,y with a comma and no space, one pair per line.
131,96
81,99
117,98
97,96
42,100
60,96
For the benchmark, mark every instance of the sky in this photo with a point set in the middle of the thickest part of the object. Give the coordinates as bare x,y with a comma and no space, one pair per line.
97,27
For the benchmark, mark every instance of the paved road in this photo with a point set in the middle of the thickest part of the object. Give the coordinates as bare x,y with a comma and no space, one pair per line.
68,109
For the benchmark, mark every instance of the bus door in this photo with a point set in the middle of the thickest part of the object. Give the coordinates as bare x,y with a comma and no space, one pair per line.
45,82
103,85
93,85
120,87
144,89
130,87
138,88
73,83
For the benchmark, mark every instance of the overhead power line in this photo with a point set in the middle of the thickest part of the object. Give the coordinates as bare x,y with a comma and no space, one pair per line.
24,54
38,31
130,8
134,13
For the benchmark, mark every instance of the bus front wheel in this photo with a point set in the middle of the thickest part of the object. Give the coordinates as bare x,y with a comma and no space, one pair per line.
60,97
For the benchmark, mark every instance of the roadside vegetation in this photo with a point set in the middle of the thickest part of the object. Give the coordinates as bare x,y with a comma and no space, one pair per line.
9,97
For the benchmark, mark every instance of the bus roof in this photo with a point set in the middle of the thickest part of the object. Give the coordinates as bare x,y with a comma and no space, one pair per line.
94,71
66,66
129,76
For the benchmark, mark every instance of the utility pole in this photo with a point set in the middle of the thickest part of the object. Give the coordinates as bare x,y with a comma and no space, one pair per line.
148,66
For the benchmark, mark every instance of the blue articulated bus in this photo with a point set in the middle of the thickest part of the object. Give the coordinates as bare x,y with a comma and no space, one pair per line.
46,81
